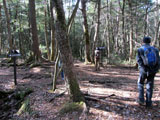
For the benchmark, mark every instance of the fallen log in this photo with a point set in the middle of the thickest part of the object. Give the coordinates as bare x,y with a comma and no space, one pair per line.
24,107
11,101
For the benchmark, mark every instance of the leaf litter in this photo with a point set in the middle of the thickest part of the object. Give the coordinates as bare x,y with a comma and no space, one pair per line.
110,93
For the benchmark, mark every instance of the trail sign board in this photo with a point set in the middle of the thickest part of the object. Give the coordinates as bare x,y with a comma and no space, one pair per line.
14,54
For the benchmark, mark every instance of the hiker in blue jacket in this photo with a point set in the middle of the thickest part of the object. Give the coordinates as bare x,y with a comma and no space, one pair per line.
60,67
148,62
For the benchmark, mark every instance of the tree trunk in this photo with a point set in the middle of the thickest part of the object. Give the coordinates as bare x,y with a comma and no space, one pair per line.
123,29
14,26
46,33
157,25
53,46
86,32
55,72
117,34
146,22
156,35
8,26
0,30
66,56
71,20
131,31
35,45
96,35
136,21
108,35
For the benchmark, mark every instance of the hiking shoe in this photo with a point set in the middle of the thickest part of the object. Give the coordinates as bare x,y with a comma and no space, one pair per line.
148,104
141,103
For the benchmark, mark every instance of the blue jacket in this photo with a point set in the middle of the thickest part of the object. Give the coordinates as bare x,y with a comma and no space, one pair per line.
143,68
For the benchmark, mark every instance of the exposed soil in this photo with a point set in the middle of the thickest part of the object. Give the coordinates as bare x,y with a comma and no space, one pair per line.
111,93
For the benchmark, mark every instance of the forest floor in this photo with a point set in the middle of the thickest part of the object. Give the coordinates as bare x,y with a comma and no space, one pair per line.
113,89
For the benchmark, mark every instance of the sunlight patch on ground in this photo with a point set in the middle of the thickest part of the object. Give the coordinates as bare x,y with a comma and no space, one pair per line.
86,83
94,73
109,91
104,115
36,70
157,78
24,80
9,85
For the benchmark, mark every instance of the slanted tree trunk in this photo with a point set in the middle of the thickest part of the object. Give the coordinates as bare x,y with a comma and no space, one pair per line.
55,72
35,45
65,50
8,25
86,32
69,25
71,20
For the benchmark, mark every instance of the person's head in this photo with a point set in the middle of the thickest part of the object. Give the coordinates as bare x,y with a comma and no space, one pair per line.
97,48
146,40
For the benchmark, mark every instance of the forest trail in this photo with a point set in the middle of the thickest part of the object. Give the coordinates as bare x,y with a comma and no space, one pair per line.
111,93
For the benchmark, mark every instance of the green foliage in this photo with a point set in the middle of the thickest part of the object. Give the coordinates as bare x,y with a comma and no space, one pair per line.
19,19
20,94
116,59
76,39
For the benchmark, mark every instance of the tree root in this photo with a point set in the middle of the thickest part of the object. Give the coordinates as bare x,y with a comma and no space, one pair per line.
57,95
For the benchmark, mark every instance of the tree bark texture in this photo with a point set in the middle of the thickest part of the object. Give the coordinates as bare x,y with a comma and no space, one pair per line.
107,32
86,32
146,22
66,56
157,25
46,33
71,20
55,72
96,35
131,31
53,42
8,25
15,27
123,29
35,45
0,30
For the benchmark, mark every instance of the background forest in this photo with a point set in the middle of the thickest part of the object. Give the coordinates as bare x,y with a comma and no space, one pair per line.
117,25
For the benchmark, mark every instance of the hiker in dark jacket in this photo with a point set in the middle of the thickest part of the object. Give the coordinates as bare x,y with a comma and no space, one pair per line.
148,62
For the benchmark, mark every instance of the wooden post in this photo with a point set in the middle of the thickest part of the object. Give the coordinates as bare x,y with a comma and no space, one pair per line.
15,72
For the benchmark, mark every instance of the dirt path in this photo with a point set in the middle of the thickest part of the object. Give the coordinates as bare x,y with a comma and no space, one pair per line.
114,88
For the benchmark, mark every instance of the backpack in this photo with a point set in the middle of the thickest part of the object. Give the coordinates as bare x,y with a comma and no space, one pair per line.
150,57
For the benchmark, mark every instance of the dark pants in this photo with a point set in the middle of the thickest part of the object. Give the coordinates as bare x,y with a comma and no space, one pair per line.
62,75
97,64
149,87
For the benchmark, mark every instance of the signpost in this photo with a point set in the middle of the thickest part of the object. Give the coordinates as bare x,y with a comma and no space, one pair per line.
14,54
